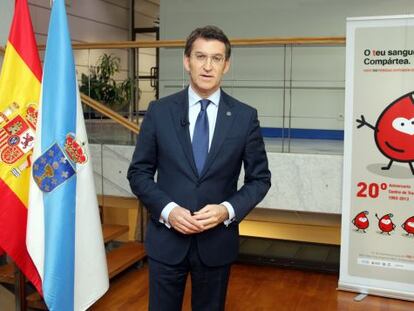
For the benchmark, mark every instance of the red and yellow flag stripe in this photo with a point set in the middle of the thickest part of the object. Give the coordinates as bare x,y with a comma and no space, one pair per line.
20,80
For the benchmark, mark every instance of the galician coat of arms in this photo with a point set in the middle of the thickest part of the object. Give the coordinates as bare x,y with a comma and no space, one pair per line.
57,164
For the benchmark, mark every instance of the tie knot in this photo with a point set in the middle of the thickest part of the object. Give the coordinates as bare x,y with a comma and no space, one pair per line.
204,103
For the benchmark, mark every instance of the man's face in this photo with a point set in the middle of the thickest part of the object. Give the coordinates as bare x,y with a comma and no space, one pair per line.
206,65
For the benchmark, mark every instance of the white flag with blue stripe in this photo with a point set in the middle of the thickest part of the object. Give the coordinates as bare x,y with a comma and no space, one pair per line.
64,235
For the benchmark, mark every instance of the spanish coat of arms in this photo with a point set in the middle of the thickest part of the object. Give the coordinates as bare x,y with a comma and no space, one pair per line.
17,132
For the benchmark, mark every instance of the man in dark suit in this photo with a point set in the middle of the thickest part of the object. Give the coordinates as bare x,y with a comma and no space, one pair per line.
196,140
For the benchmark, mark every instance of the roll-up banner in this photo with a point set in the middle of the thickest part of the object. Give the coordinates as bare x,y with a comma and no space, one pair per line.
377,250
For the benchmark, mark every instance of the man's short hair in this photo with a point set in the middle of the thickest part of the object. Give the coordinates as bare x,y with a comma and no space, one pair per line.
207,33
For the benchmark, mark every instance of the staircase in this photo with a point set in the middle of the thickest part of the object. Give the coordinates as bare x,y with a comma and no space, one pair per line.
118,258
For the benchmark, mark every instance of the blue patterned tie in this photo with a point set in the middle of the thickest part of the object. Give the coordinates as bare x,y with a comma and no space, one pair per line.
200,136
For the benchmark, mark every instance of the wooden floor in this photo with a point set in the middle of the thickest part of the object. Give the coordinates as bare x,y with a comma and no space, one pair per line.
257,288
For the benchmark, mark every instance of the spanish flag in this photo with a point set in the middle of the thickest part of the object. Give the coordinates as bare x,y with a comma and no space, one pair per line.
20,80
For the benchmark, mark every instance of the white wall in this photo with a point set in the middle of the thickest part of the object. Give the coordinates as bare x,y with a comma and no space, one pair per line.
312,84
89,21
6,14
263,18
92,20
98,20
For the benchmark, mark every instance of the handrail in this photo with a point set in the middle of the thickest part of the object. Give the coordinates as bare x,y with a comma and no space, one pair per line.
234,42
267,41
110,113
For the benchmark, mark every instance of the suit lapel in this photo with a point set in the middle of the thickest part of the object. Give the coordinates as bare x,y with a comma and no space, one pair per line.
225,118
179,112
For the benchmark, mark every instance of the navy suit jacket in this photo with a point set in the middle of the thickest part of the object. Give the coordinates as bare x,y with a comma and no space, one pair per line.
164,146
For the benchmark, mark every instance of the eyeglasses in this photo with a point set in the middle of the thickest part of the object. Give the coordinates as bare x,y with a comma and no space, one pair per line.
215,60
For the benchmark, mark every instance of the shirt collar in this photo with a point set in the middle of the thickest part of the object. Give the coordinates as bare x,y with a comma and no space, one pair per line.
194,98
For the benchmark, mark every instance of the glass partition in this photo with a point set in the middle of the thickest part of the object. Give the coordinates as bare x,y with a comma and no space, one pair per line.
298,91
103,76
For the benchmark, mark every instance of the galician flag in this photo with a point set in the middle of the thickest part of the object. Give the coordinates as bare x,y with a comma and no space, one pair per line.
64,232
20,79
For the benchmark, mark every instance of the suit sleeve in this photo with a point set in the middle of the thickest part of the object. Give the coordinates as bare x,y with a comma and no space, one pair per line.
144,165
257,175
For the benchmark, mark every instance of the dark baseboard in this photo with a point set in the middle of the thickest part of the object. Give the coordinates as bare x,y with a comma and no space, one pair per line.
289,254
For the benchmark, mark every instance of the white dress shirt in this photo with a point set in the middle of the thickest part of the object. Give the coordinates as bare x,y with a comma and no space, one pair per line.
193,110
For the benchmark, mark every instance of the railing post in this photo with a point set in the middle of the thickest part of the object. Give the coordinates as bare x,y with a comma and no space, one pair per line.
131,66
284,98
290,97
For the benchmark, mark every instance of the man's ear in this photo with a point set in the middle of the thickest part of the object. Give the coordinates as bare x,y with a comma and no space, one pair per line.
226,66
186,62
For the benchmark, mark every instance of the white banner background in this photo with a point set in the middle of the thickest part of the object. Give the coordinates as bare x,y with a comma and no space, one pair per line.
377,253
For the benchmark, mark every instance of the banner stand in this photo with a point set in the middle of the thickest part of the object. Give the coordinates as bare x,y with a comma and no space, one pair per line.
360,297
377,230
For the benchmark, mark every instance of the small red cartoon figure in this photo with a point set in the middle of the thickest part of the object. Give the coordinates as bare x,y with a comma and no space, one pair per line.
361,221
394,131
408,226
385,223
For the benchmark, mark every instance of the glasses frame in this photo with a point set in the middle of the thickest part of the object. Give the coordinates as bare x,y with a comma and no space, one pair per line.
214,59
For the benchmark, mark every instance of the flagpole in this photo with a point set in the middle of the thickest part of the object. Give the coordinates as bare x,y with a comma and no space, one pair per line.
20,289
